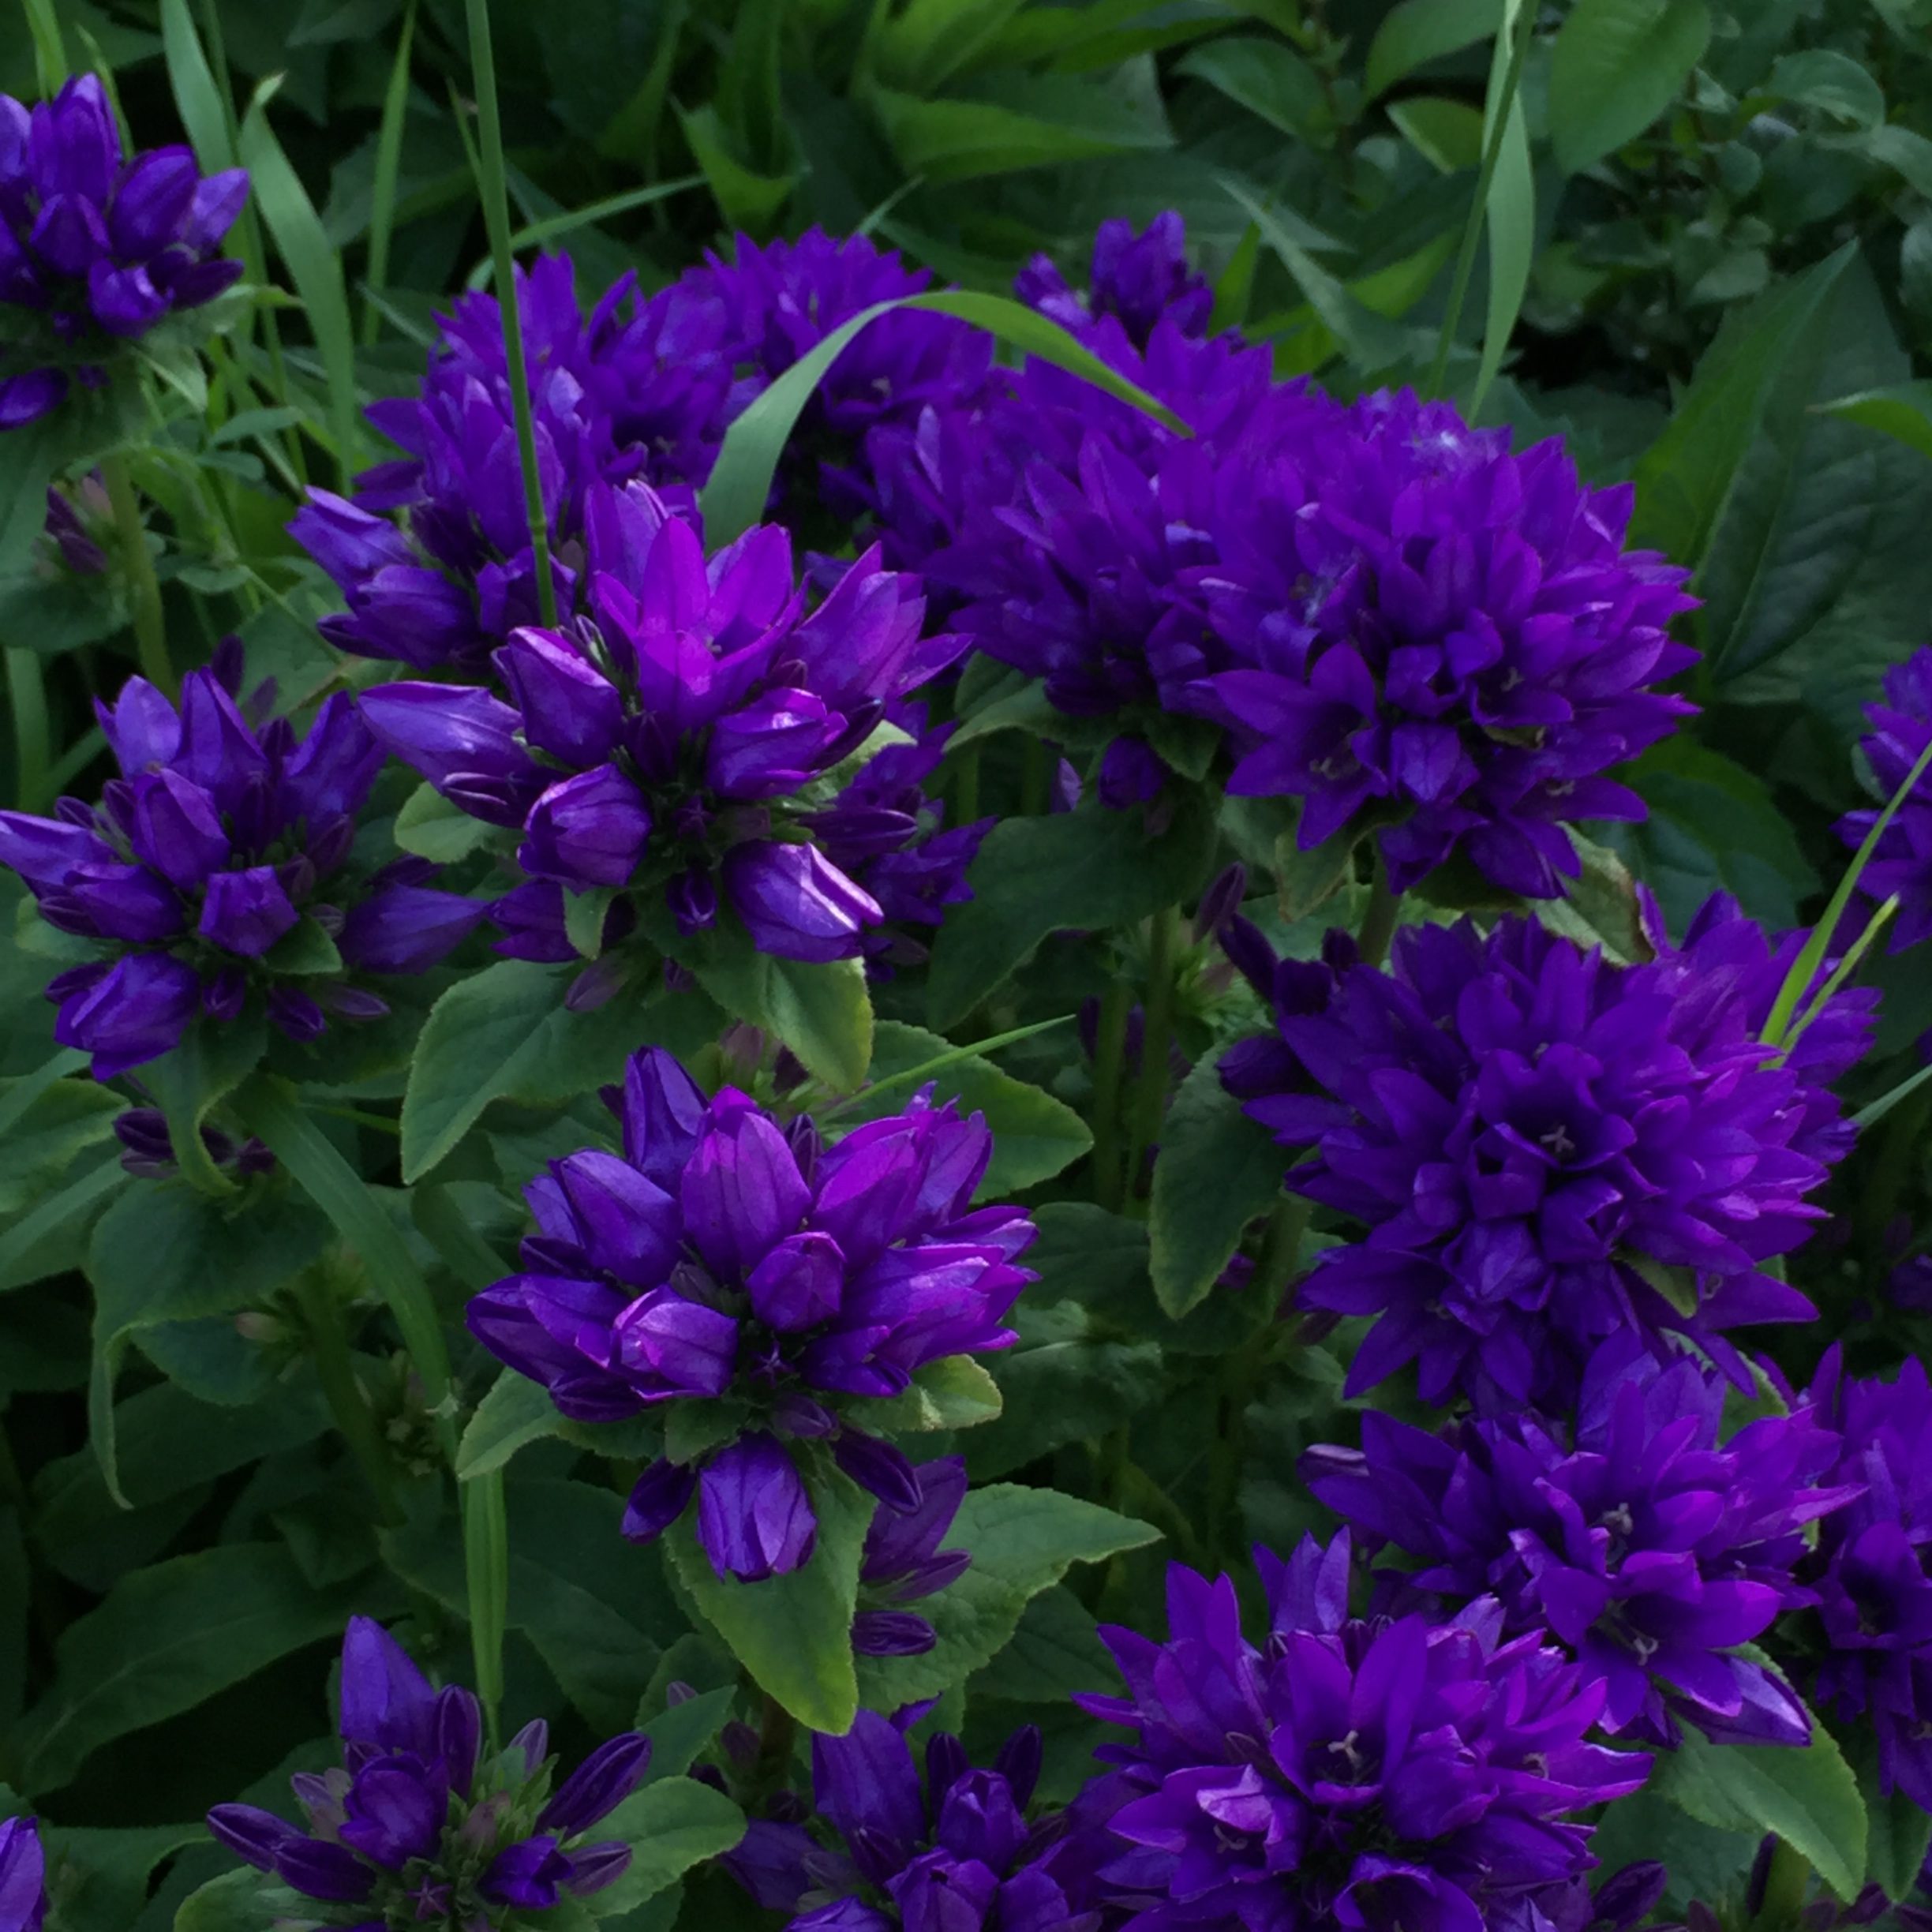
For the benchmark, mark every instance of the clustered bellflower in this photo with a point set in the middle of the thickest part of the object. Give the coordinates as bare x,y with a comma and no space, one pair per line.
1901,863
191,877
1646,1546
675,743
96,249
416,1827
726,1260
1141,279
23,1876
1373,1775
902,1564
952,1852
1545,1146
1872,1569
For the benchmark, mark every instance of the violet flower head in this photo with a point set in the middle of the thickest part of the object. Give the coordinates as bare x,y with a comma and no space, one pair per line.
1644,1543
1140,278
23,1876
670,748
1434,635
951,1851
215,876
1544,1146
1872,1569
723,1260
1368,1774
902,1564
95,247
418,1826
1901,864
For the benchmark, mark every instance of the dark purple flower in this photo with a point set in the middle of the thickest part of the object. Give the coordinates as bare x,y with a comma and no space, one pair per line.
23,1876
1424,627
1901,865
204,858
414,1820
1140,278
1546,1148
710,1264
667,748
902,1562
1370,1775
1648,1549
95,249
147,1151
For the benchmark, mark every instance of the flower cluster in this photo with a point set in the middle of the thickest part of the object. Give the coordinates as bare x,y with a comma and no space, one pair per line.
23,1876
1644,1544
1872,1571
1141,279
95,249
953,1853
902,1562
662,745
1369,1774
727,1261
417,1827
1901,864
215,874
1546,1148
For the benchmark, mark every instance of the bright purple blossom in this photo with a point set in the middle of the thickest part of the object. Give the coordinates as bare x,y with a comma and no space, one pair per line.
667,747
215,874
1370,1775
1545,1146
415,1827
1431,634
96,249
23,1876
1901,730
726,1260
1872,1571
1141,278
902,1564
1646,1544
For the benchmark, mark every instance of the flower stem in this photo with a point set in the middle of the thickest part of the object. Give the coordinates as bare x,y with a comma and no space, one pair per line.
27,699
131,536
486,1563
1380,920
1156,1034
335,1366
1109,1072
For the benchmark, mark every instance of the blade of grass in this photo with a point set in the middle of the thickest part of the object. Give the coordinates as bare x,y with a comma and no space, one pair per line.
535,233
1871,1116
1509,204
490,186
27,699
388,166
50,53
1854,958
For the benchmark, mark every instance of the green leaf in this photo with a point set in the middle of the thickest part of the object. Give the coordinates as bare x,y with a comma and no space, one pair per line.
1265,75
1035,1136
1903,412
1089,868
1023,1541
164,1640
1448,134
102,1875
1834,83
196,98
956,1392
584,914
1808,1797
304,949
430,826
1618,65
212,1061
747,198
1010,121
1217,1170
232,1903
1418,31
680,1731
516,1411
1509,210
1900,1830
1055,1652
43,1242
793,1633
50,1122
931,40
670,1825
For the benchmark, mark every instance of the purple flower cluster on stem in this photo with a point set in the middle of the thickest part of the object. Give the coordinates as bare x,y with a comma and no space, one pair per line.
726,1260
23,1876
1647,1546
1901,864
415,1826
96,249
902,1564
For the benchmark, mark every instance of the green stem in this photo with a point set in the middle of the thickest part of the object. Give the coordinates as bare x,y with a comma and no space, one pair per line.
335,1365
486,1563
1156,1035
131,537
1473,228
27,697
778,1731
1109,1070
496,220
1380,917
966,787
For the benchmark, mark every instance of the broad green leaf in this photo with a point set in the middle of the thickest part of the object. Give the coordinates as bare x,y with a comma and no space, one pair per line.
1265,75
1012,121
1088,870
1904,413
1831,82
237,1901
1808,1797
670,1825
1217,1170
430,826
164,1640
1618,65
793,1633
1448,134
1417,31
101,1875
747,198
931,40
48,1239
956,1392
212,1061
1899,1832
516,1411
1509,210
679,1733
60,1119
1055,1652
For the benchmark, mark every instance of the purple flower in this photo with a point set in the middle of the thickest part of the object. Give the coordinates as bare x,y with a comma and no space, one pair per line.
724,1259
669,747
1364,1774
1544,1146
1872,1571
1901,729
1429,633
1646,1547
414,1823
902,1564
23,1876
219,846
147,1149
1140,278
96,249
